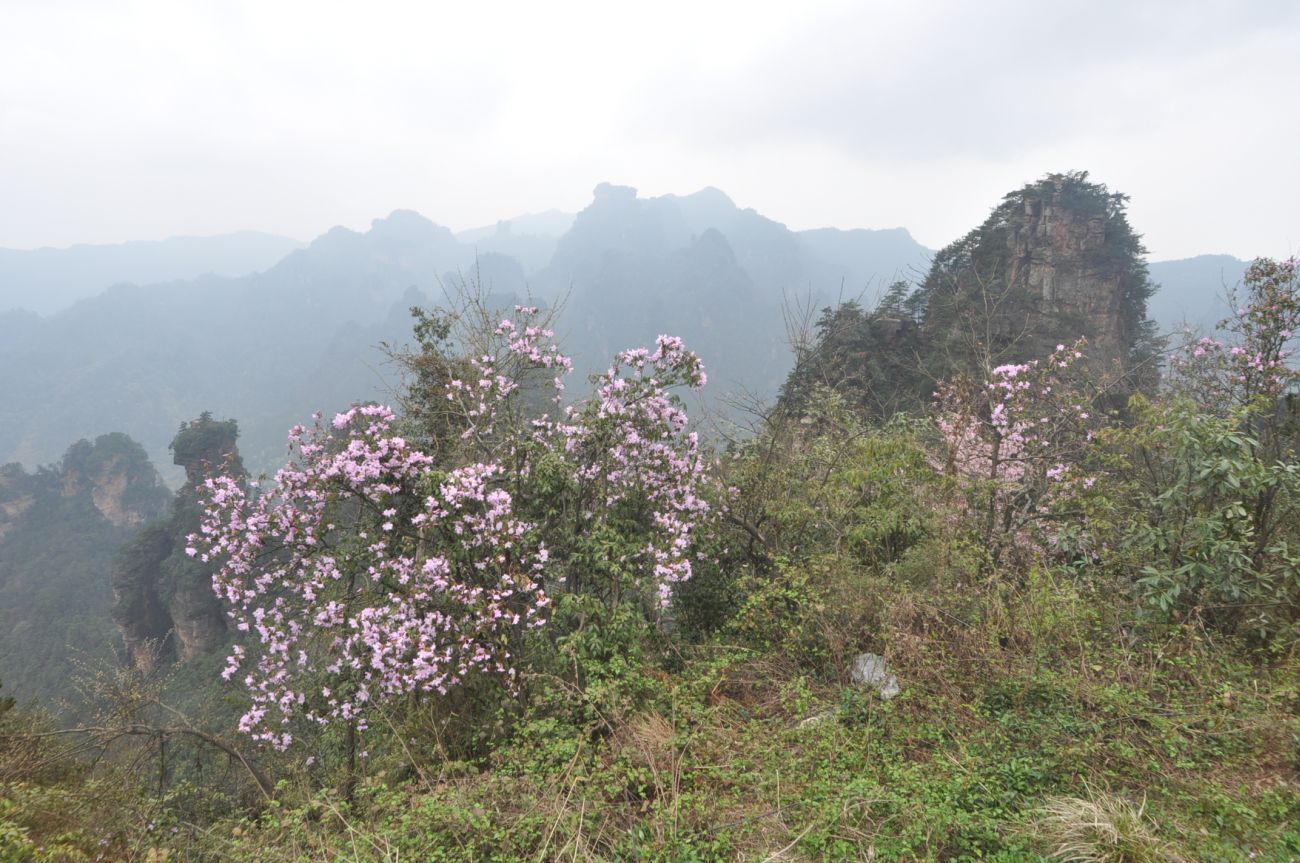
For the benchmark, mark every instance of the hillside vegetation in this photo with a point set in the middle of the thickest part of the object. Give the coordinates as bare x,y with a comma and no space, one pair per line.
1045,609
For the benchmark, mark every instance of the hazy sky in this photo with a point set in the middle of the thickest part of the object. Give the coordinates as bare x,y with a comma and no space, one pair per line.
139,120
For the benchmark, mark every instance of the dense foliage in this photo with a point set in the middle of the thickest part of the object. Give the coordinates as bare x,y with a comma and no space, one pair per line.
873,358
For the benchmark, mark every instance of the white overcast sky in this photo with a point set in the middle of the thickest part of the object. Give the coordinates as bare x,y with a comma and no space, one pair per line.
140,120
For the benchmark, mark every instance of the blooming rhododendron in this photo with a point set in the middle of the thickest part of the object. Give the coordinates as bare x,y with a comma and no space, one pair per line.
632,442
366,574
412,608
1254,359
1014,443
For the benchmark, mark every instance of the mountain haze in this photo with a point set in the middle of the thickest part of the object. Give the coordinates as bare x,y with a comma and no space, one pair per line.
60,529
1194,291
268,348
701,267
530,238
271,347
48,280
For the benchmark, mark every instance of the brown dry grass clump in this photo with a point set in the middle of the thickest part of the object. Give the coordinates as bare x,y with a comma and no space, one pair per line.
1102,828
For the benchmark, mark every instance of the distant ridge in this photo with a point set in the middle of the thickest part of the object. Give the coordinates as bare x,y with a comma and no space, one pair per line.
298,330
48,279
549,223
530,239
1193,292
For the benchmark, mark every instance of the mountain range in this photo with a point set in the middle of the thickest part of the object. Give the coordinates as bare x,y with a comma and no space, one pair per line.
142,337
49,280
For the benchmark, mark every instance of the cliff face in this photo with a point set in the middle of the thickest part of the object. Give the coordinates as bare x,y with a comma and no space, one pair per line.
61,528
110,484
163,599
138,611
204,447
117,477
1055,261
113,474
1062,256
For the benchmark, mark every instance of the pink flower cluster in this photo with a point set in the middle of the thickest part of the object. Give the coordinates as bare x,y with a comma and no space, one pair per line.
363,574
631,444
360,574
484,398
1015,444
627,445
1255,360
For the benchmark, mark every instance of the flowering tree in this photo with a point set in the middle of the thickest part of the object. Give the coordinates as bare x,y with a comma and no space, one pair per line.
366,572
621,468
1251,366
364,576
636,469
1015,444
1221,482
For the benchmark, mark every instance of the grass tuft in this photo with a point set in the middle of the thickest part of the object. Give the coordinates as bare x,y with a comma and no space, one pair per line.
1102,828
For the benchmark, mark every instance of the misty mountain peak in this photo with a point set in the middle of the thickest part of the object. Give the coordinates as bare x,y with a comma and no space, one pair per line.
713,245
710,199
712,194
618,222
406,225
337,237
403,240
611,192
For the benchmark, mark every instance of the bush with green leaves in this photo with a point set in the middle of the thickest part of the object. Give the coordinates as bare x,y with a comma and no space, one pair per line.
1209,473
821,504
1212,531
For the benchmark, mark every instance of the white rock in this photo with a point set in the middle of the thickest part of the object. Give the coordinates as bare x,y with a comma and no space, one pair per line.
869,669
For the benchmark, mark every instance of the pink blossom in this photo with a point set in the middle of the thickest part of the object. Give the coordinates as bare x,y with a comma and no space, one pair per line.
349,572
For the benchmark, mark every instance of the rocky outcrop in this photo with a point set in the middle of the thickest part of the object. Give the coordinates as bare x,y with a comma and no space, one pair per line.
16,496
138,611
113,473
203,447
108,494
1056,261
198,623
117,476
163,602
163,599
62,531
1063,255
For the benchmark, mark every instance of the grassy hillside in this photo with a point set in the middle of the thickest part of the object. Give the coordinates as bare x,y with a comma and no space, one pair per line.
751,745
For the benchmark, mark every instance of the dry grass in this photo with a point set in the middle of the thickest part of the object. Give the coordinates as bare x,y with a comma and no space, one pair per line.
1101,828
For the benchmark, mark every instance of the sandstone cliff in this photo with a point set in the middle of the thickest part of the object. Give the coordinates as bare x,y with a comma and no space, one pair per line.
61,528
163,599
1055,261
